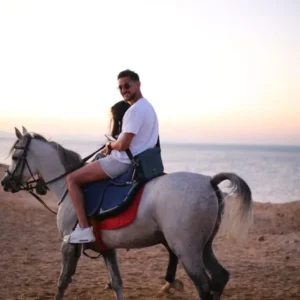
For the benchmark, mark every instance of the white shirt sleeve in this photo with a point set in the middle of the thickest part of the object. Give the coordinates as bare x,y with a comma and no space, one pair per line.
133,121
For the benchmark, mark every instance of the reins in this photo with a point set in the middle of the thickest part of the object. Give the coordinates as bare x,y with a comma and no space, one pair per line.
72,170
28,185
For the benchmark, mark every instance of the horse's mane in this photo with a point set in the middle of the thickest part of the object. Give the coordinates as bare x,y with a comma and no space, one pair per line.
69,158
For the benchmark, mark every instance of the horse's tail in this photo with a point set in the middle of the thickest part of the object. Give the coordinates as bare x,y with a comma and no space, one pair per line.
238,216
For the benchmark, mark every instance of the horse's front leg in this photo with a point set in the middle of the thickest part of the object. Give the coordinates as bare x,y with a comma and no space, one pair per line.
108,285
113,268
70,256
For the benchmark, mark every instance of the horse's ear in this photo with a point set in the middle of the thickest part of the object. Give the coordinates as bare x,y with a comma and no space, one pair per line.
18,133
24,130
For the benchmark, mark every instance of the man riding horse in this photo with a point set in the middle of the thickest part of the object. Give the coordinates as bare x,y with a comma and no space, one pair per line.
139,133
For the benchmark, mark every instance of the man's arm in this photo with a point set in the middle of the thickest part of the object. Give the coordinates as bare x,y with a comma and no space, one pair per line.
123,142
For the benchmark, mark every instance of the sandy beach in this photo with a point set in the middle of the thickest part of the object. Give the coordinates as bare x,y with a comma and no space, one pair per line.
266,266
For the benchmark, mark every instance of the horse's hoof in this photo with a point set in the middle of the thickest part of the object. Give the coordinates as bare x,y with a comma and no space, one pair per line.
176,285
108,287
166,288
58,296
216,296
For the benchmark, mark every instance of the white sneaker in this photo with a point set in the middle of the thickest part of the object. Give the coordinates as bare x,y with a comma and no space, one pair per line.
80,236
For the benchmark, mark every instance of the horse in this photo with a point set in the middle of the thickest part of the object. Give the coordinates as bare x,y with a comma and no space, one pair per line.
181,210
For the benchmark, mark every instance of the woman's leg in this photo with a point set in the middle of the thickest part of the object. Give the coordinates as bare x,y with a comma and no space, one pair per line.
89,173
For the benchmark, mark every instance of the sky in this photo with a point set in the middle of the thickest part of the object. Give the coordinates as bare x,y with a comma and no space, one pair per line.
215,71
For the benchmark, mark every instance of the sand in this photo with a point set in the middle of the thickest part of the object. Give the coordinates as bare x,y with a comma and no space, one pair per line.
266,266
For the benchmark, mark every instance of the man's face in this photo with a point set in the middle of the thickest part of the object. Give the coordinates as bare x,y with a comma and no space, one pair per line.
129,88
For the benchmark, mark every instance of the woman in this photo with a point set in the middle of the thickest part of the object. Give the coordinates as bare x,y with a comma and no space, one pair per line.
117,111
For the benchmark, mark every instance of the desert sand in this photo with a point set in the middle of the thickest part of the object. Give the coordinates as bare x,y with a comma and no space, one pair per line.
266,266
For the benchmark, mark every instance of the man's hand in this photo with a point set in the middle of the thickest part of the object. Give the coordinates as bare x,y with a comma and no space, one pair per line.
107,149
123,142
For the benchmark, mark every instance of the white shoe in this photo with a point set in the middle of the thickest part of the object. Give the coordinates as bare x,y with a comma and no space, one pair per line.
80,236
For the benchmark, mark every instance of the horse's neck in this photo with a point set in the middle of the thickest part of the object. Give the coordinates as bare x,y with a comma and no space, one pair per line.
59,187
50,167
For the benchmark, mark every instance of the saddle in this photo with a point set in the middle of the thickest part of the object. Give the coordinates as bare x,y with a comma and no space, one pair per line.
110,197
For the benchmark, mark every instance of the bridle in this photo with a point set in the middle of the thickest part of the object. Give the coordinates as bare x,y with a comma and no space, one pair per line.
35,185
15,184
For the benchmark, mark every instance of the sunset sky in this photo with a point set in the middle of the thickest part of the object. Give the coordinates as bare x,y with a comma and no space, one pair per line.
215,71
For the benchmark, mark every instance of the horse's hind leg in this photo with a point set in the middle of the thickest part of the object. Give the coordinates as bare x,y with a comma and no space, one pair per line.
219,275
194,267
70,256
171,282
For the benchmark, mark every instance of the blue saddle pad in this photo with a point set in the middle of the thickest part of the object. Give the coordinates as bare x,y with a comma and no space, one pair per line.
109,197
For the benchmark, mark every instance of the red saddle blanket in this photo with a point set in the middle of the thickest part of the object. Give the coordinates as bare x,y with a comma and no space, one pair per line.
123,219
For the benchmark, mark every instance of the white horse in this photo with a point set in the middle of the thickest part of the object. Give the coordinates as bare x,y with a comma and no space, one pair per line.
180,210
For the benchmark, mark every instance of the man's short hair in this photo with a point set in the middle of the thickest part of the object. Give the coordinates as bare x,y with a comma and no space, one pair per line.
128,73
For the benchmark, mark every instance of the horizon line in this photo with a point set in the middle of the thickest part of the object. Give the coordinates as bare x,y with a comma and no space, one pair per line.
93,139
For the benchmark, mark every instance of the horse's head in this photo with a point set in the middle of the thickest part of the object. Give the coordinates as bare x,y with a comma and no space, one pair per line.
32,154
23,164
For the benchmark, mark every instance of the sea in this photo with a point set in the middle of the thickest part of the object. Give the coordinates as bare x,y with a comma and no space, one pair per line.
272,172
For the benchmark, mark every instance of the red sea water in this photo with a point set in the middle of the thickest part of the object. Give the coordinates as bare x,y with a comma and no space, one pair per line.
272,172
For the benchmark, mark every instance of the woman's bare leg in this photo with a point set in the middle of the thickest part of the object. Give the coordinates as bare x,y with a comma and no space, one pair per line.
87,174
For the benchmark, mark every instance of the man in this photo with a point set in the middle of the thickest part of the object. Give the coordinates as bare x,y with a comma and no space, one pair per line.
139,133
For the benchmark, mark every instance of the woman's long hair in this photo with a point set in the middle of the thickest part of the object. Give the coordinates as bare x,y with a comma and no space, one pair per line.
118,111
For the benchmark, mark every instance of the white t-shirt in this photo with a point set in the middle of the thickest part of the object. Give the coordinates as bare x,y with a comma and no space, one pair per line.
141,120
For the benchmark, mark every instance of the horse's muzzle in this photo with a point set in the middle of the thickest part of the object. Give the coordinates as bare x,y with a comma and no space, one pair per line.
9,185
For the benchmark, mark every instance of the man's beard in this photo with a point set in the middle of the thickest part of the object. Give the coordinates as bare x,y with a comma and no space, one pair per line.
131,97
